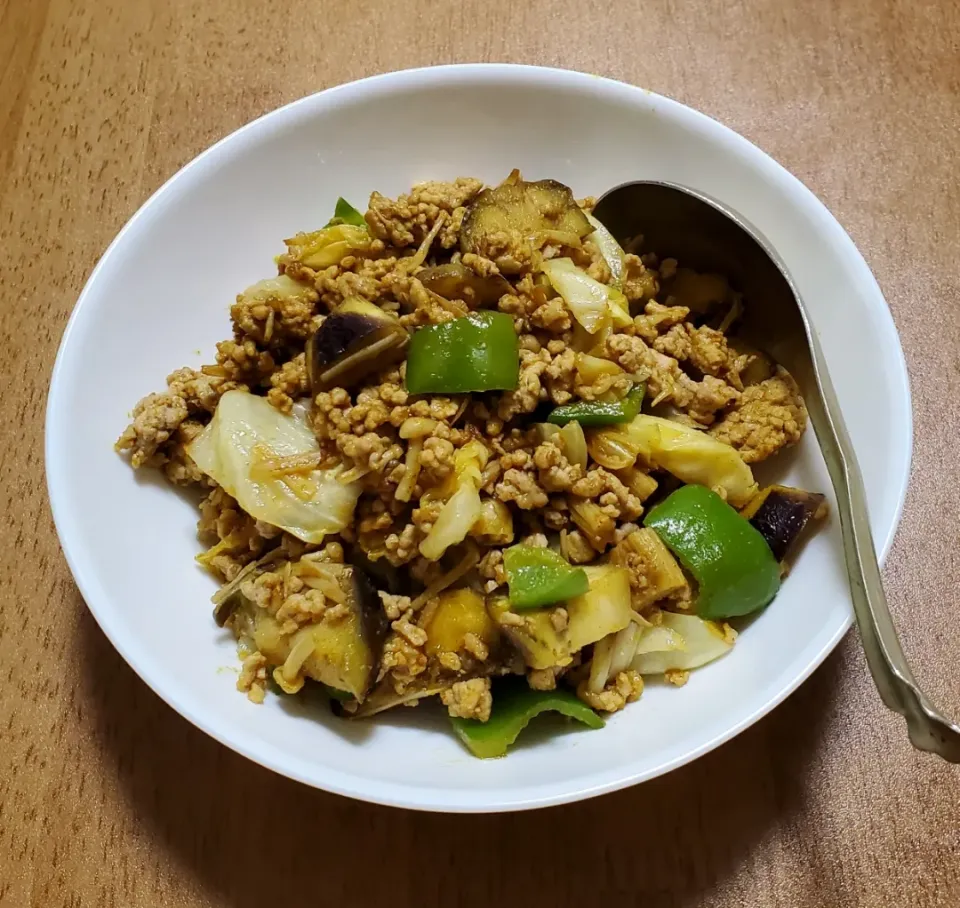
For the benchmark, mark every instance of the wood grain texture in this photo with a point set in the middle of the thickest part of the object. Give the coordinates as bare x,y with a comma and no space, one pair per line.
107,798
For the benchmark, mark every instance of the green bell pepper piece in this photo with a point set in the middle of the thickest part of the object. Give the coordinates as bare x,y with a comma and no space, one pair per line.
334,694
345,213
538,576
732,563
514,705
600,412
479,352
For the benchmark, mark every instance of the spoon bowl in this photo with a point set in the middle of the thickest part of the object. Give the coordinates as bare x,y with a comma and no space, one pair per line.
706,235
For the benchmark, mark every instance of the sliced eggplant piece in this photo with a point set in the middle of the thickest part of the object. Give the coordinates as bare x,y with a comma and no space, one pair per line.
457,282
384,575
455,614
342,652
782,513
604,609
355,339
536,213
228,598
540,643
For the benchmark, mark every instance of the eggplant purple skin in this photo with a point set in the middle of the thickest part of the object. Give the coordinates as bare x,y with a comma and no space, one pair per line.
335,351
371,623
524,207
339,332
373,619
457,282
783,515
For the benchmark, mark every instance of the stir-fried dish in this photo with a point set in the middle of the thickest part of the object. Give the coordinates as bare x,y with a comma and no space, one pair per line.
467,447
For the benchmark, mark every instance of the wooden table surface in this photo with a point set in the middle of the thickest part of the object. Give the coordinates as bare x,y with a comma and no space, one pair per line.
108,798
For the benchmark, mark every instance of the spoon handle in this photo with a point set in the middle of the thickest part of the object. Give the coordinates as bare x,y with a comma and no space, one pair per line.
928,729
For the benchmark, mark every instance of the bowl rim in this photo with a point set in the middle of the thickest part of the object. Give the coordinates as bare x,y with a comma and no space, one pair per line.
413,797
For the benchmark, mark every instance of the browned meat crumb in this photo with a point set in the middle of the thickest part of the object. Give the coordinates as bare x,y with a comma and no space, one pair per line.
542,678
402,662
469,699
667,382
555,472
491,569
273,319
244,362
639,282
406,221
625,688
155,419
522,489
253,678
676,676
289,383
613,497
178,467
768,416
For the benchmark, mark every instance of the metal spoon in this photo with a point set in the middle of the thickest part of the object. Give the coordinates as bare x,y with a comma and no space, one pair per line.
704,234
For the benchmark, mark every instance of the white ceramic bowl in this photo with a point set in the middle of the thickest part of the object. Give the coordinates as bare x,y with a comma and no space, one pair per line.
158,299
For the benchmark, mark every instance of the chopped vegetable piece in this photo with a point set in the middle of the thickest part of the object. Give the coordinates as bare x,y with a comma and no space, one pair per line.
732,563
245,430
229,597
454,281
613,447
535,212
355,339
574,444
339,695
539,576
681,642
655,571
494,526
535,636
595,369
660,638
279,289
345,213
326,247
514,705
590,301
609,249
604,609
600,412
781,514
463,507
643,485
343,653
455,615
479,352
612,655
594,522
689,454
384,697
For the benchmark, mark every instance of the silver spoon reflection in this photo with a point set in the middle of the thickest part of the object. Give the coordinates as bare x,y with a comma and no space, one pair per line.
704,234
